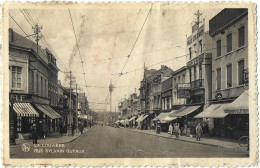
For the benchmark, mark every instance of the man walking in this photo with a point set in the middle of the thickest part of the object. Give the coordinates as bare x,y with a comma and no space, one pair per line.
34,134
198,131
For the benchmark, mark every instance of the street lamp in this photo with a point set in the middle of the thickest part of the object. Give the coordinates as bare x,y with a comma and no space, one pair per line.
11,119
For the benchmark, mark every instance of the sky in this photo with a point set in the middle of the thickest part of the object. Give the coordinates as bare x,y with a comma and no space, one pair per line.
130,35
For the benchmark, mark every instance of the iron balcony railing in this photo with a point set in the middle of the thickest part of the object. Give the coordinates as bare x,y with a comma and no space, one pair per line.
199,83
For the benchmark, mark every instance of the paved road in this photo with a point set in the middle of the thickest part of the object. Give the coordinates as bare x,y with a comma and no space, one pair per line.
108,142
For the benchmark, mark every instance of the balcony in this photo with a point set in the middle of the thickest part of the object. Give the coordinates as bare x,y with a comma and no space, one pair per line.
197,84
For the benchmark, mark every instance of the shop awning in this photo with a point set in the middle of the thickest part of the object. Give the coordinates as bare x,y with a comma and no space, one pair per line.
122,122
144,117
47,111
213,111
25,110
161,116
131,119
57,115
187,110
240,105
139,118
171,116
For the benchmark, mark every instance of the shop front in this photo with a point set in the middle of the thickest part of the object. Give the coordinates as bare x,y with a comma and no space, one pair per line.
185,118
49,117
214,117
26,115
238,116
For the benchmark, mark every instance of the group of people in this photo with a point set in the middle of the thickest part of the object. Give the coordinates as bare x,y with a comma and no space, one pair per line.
175,129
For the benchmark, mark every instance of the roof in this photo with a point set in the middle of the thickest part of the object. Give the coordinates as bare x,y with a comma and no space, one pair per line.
225,18
21,41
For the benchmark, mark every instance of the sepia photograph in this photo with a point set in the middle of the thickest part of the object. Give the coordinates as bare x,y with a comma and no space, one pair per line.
134,80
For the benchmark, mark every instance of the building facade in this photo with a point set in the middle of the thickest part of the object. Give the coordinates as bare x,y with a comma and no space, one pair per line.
29,87
229,70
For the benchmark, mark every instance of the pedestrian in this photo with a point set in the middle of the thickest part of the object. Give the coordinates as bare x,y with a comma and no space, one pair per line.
198,132
45,129
81,128
61,128
176,130
73,128
34,134
170,129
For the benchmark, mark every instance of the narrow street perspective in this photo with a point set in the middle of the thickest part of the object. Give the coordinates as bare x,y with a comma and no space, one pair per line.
146,81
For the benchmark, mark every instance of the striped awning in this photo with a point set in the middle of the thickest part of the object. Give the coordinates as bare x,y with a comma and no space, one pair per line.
48,111
53,112
25,110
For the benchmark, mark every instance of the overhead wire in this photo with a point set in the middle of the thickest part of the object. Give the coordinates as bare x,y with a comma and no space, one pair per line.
77,45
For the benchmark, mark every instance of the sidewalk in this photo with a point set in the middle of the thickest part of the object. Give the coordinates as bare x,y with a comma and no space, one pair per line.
52,139
211,141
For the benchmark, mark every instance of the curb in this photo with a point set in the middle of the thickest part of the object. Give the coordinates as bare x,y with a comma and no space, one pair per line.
77,136
197,142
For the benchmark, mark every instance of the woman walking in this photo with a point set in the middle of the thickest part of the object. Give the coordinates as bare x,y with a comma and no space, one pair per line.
198,131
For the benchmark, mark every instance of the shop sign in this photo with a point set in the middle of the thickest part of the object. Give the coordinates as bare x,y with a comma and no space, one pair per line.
167,94
183,94
196,36
237,111
21,97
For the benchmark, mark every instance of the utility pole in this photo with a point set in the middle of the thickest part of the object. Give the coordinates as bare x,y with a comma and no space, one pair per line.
70,120
110,91
37,31
76,108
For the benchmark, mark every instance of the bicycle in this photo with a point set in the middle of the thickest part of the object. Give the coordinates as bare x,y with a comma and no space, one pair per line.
244,142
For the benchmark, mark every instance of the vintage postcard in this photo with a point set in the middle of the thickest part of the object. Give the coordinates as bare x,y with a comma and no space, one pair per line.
129,84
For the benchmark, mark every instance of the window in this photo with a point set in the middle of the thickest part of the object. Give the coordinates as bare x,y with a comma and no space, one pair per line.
195,71
167,104
200,71
46,90
200,43
229,75
190,74
218,78
163,104
170,103
195,48
241,36
190,53
183,78
218,48
16,77
229,42
179,79
41,86
240,72
32,78
37,83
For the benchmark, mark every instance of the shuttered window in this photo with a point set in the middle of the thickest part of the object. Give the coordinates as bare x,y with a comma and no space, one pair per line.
241,36
229,42
218,78
16,77
229,75
240,72
218,48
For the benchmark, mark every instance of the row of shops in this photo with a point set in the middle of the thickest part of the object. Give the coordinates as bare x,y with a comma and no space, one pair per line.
223,120
44,116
